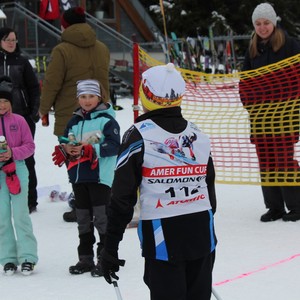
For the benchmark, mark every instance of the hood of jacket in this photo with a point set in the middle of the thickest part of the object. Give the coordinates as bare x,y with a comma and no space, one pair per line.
81,35
169,119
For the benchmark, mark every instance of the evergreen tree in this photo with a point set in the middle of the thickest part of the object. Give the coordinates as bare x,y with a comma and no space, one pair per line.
198,14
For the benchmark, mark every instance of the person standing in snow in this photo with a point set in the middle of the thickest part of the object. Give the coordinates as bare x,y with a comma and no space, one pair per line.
93,140
177,195
270,44
79,56
26,94
18,245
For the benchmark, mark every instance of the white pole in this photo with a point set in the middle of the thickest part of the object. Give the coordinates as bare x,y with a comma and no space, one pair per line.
215,294
115,284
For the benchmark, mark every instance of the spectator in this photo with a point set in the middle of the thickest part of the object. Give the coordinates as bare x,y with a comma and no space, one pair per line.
275,148
18,245
26,95
92,140
79,56
177,194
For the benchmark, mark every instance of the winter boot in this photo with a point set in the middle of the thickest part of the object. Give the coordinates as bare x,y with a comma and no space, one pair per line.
117,107
83,266
27,268
291,216
70,216
272,215
9,269
97,271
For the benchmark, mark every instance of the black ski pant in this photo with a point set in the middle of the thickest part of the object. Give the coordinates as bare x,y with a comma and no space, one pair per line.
30,163
32,191
276,158
185,280
277,197
90,204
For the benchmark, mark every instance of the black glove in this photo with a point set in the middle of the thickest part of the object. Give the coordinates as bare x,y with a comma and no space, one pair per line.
110,265
59,156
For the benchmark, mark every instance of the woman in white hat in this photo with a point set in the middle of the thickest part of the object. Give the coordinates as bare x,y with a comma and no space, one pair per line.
269,43
274,133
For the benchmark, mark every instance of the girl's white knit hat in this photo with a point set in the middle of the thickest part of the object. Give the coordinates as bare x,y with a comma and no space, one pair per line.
264,11
88,86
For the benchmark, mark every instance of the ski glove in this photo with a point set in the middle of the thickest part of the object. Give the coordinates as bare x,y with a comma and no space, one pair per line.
12,179
110,264
59,156
89,152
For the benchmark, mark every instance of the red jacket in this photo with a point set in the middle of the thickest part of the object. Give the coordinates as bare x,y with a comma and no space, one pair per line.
49,9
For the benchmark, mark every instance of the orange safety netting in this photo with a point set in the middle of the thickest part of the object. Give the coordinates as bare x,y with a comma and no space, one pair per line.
252,119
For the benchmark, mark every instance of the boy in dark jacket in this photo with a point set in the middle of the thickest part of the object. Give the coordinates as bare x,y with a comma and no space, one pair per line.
177,194
90,146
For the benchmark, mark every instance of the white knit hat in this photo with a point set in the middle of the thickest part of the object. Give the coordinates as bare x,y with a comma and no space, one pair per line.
264,11
88,86
161,87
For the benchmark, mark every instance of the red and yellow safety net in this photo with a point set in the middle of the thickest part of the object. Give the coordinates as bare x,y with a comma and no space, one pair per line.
252,118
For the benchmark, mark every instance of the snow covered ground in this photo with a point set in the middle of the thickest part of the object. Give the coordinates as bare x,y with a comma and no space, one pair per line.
255,261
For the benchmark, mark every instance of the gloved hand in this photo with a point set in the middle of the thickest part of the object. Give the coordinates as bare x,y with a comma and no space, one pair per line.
89,152
35,117
59,156
110,264
12,179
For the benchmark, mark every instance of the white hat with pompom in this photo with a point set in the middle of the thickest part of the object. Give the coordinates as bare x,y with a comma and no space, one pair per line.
162,87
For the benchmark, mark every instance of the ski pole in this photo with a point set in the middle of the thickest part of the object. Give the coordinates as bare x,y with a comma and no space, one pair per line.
44,63
215,294
115,284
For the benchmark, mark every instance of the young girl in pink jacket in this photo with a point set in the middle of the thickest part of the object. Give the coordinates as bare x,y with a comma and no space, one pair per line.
18,245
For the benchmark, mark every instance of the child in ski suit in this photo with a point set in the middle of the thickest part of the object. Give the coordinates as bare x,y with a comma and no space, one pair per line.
18,245
90,157
177,195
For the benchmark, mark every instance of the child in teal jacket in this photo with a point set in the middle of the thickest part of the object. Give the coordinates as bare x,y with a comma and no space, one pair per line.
89,147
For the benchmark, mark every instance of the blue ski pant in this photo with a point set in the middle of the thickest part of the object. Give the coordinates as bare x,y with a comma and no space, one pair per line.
17,241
